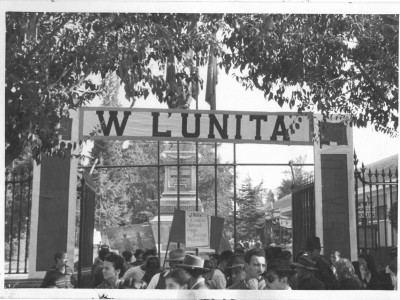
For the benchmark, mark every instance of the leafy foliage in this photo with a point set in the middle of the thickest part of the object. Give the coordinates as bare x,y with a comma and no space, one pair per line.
329,63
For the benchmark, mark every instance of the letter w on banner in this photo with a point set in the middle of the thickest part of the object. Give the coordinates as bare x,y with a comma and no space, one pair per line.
196,229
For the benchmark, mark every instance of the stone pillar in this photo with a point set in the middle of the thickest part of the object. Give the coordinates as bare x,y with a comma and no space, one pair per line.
54,206
335,210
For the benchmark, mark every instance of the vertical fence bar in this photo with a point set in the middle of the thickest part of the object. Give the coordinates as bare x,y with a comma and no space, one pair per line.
21,184
178,171
215,182
386,220
364,203
391,204
81,221
197,175
356,174
371,203
234,194
28,222
158,201
12,223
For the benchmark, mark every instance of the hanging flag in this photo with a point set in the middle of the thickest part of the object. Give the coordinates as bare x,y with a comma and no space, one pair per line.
212,79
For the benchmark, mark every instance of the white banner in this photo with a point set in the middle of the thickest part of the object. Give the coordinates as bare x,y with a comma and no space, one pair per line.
196,125
197,229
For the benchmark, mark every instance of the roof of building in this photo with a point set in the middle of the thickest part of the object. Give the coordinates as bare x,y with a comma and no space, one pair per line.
283,202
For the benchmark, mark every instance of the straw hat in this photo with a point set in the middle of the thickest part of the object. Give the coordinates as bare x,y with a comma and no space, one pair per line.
176,255
193,262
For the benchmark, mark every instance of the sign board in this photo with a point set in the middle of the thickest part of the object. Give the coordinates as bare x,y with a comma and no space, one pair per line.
197,227
130,237
360,210
196,125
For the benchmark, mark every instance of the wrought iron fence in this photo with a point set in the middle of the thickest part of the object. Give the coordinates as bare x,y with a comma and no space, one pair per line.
18,199
303,208
376,202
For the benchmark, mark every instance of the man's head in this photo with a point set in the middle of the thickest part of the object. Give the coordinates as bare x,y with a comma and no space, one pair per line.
225,259
149,253
278,274
138,253
61,259
103,253
127,255
255,264
313,246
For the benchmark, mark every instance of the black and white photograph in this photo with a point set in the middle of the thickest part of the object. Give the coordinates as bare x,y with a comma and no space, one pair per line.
214,149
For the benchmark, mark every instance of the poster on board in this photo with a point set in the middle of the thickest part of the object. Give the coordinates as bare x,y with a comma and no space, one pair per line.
197,227
130,237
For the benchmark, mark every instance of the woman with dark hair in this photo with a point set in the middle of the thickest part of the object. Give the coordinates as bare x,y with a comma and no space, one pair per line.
369,274
152,267
60,276
348,280
177,279
113,270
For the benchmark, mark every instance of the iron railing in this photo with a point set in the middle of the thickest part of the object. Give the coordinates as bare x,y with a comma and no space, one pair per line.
376,198
18,199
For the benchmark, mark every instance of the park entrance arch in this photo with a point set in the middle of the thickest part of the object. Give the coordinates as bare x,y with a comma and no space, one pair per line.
332,141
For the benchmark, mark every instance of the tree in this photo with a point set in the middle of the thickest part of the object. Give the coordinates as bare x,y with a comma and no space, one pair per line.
250,216
331,63
298,174
270,196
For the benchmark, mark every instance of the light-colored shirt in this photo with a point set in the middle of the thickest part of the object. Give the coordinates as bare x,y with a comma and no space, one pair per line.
135,273
218,281
154,280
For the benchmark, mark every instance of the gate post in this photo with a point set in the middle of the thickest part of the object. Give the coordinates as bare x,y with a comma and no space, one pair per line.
335,211
53,208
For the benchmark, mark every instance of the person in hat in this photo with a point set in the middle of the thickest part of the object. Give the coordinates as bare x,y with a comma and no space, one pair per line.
237,271
218,280
305,278
194,265
389,277
158,281
279,274
324,273
177,279
255,265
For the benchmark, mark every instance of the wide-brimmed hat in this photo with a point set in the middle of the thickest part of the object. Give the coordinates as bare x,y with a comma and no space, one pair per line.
176,255
280,265
193,262
238,262
305,262
313,243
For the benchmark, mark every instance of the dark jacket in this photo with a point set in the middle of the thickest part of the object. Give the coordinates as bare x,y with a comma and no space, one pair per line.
325,274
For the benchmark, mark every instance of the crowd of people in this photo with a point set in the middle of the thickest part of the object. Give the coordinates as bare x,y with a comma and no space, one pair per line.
269,269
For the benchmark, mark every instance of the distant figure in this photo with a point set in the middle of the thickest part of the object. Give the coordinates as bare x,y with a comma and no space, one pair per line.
218,280
236,271
60,276
112,271
333,259
127,244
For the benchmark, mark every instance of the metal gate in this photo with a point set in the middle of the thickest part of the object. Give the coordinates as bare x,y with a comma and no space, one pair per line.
376,202
18,201
303,208
86,227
